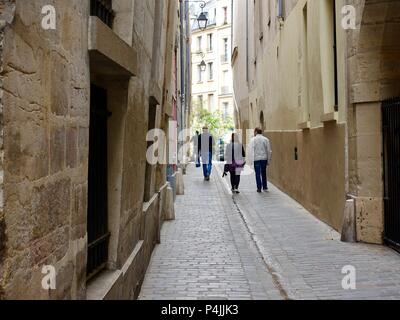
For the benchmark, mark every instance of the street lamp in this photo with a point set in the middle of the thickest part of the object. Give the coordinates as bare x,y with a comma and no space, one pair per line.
203,66
202,19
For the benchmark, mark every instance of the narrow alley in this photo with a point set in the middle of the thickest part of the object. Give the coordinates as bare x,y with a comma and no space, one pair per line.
259,246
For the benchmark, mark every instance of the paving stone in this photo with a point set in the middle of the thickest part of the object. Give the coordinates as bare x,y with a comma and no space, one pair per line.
259,246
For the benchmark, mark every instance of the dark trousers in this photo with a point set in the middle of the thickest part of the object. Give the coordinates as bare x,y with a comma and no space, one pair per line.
207,166
261,174
235,180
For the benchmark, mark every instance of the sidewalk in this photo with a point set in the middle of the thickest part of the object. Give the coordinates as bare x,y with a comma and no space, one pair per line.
206,253
259,246
308,255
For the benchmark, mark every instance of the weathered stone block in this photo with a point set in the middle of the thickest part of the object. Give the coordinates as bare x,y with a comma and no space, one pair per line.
60,85
83,145
26,151
50,207
72,147
79,103
369,217
57,149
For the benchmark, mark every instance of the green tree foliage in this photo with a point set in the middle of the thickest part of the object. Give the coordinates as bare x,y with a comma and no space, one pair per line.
218,125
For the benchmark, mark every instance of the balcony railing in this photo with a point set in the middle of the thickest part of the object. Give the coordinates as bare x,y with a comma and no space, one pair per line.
103,10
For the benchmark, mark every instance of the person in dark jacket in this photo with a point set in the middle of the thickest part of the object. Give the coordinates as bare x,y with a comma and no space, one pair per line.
205,150
235,159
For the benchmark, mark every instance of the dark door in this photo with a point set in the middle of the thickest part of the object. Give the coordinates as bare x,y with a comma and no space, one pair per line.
391,152
97,223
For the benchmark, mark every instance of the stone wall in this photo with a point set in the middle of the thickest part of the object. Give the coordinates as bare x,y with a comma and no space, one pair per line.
6,16
373,57
45,103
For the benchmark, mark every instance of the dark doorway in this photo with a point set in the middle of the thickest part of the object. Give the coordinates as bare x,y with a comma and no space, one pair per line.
391,153
97,224
149,185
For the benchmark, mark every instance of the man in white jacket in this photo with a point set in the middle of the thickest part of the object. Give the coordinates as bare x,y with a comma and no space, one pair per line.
261,153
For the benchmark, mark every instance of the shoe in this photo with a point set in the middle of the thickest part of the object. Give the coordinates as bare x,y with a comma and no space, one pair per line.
207,178
259,191
237,191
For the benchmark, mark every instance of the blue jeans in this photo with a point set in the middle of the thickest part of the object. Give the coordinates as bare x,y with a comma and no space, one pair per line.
207,167
261,174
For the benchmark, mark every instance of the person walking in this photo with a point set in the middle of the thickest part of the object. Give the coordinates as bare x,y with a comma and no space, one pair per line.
235,159
195,140
261,153
205,150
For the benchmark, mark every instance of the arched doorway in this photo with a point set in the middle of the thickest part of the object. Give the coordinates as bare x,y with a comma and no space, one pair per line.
374,72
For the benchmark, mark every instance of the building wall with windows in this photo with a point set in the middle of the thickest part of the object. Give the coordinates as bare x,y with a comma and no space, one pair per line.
284,82
323,113
77,102
212,88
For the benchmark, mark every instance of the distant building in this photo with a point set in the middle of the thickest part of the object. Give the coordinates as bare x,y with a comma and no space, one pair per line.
212,88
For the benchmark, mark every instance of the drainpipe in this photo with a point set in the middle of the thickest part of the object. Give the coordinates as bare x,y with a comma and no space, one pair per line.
188,63
182,67
247,41
231,27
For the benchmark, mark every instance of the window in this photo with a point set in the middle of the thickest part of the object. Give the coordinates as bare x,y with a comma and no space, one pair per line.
226,87
210,71
103,10
200,101
97,211
225,9
225,49
225,111
210,42
199,74
329,58
225,77
304,67
225,56
210,102
199,40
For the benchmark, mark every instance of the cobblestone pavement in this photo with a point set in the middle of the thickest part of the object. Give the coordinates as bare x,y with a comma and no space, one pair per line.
259,246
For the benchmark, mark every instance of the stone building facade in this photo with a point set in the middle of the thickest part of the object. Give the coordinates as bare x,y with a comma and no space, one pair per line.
316,88
77,102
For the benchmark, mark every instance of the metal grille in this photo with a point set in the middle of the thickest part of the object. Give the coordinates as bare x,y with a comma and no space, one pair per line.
103,10
391,153
97,223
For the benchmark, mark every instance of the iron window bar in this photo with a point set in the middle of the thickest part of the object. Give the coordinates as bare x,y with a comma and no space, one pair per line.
103,10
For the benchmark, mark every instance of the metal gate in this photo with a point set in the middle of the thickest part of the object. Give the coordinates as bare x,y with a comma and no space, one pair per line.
97,224
391,154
